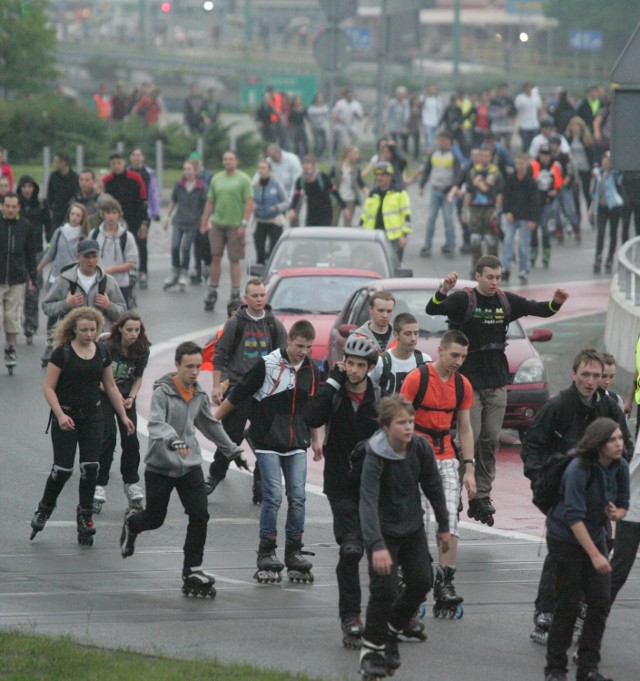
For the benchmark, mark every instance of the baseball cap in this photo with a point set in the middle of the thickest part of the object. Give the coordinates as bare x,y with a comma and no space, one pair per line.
544,149
555,139
546,122
383,168
88,246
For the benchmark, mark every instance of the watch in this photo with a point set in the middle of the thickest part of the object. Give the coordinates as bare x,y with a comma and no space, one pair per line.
472,461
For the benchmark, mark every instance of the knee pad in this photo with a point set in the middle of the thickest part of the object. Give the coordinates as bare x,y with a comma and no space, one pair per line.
60,474
89,471
351,552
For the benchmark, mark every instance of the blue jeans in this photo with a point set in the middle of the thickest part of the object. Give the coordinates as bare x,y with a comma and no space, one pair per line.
521,228
566,201
439,201
294,469
182,239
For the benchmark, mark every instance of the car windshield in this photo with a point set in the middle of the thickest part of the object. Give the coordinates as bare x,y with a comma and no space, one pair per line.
313,295
354,254
414,301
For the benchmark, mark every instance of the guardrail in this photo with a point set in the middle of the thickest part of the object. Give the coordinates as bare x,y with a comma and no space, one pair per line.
629,270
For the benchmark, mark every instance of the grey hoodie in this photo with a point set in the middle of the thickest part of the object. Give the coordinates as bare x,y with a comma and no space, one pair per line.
54,305
365,330
390,490
111,252
171,419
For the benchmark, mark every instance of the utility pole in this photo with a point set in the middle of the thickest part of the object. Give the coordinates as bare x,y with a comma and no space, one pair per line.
456,39
383,44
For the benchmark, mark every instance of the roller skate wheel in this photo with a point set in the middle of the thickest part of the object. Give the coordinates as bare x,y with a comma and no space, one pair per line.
352,642
10,369
97,506
459,612
33,535
85,541
422,611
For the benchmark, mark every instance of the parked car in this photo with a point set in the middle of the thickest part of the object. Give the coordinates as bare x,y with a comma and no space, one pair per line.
528,387
344,247
316,294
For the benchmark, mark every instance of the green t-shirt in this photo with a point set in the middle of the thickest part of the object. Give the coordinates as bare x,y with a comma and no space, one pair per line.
229,193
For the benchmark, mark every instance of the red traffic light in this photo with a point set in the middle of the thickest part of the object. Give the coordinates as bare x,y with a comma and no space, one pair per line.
165,7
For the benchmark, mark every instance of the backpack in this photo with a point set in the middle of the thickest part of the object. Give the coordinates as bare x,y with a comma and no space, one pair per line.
385,377
73,285
546,487
123,238
473,303
101,349
335,406
437,435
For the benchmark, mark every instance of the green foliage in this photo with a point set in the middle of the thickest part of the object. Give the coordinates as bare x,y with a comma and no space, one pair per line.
26,657
616,18
27,46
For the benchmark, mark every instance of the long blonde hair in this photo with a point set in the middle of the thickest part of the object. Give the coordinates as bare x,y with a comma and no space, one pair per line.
585,134
66,328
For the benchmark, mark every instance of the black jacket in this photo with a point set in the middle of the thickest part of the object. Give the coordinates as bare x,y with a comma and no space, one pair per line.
560,424
60,191
130,190
346,428
17,252
36,211
521,197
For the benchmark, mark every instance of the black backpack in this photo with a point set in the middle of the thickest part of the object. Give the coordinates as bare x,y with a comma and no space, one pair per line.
385,377
546,487
123,238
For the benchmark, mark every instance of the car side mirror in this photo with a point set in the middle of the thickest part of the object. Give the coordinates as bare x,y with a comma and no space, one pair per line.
256,271
402,273
540,335
345,329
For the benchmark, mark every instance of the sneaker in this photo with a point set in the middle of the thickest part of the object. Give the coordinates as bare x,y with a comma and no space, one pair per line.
127,537
100,495
425,252
134,494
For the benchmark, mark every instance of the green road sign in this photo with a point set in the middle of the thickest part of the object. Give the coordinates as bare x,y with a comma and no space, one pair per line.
252,87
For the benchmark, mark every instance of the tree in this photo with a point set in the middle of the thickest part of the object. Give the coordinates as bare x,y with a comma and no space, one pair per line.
27,47
615,18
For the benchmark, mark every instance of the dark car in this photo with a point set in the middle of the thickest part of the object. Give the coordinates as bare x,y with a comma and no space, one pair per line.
343,247
528,387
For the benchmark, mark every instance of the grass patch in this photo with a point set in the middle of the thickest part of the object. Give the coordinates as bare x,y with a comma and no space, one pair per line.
31,657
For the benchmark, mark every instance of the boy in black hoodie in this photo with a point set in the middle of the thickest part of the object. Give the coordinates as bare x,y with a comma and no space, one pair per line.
397,464
36,211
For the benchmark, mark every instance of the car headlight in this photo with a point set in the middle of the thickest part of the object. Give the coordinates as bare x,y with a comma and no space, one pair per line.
530,371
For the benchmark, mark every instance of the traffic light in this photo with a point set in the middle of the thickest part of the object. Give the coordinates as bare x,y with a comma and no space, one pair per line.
165,6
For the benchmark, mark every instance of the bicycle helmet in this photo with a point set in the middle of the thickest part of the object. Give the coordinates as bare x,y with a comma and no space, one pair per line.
361,346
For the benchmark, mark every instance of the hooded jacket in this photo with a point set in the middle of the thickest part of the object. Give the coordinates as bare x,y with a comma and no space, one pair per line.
390,490
36,211
17,252
236,358
111,252
171,419
280,392
54,305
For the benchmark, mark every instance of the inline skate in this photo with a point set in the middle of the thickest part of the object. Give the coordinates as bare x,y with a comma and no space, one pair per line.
482,510
448,605
269,567
135,497
196,582
373,663
542,622
99,498
10,359
414,629
211,299
176,282
47,354
298,567
127,537
352,631
86,528
40,518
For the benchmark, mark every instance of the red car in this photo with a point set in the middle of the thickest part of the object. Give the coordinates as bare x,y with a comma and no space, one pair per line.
528,387
316,294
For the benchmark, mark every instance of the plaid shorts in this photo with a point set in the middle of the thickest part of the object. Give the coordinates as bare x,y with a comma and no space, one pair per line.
449,470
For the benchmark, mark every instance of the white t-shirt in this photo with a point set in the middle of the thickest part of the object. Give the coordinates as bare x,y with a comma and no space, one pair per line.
431,111
540,140
346,113
399,370
528,107
86,282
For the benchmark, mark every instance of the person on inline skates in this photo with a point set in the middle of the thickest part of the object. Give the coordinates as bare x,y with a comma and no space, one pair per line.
594,491
396,465
253,331
442,398
484,314
77,367
179,406
557,428
347,406
281,383
128,346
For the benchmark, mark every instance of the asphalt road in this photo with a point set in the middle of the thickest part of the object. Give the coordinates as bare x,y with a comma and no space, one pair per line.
51,585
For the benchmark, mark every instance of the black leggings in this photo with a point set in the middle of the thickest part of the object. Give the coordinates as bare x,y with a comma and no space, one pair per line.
264,231
87,436
130,457
612,216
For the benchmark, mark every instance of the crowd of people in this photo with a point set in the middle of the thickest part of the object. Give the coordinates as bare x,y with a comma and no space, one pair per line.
388,410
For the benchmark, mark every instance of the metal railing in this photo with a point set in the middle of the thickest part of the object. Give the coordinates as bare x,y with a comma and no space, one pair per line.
629,270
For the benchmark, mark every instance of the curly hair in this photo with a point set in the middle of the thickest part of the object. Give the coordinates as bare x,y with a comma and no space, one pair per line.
66,328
